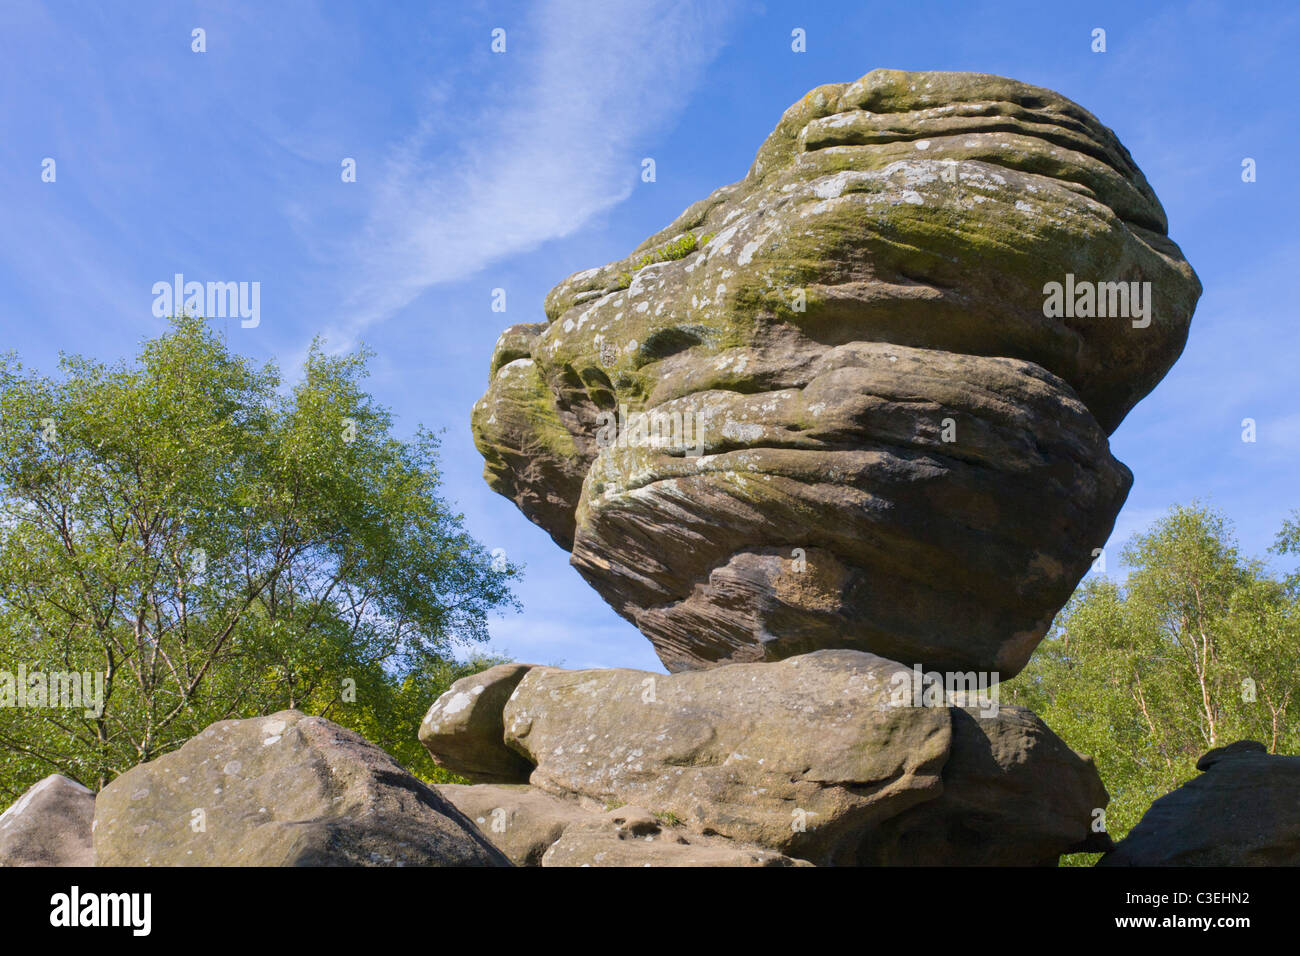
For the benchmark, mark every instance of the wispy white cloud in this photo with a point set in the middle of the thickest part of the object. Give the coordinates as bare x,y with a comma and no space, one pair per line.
602,78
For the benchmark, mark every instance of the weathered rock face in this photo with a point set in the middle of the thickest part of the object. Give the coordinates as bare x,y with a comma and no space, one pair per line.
534,828
869,434
999,808
463,729
1243,810
632,836
751,752
284,790
521,821
825,757
49,825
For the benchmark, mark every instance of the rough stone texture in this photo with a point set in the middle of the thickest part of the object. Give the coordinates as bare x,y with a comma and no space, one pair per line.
284,790
49,825
871,289
632,836
1015,794
822,757
1243,810
463,730
534,828
521,821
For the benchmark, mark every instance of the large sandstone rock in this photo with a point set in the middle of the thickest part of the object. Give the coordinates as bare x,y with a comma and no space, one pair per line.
49,825
1243,810
463,730
284,790
824,757
1014,794
901,453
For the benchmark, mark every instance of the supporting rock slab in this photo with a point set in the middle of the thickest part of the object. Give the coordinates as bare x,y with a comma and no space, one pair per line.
826,757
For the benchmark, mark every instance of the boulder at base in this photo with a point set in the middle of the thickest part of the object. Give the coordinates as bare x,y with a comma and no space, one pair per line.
1243,810
632,836
283,790
827,757
534,828
520,820
463,731
49,825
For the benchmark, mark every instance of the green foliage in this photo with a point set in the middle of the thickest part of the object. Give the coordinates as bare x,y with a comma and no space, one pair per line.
679,248
1288,542
389,710
220,547
1199,647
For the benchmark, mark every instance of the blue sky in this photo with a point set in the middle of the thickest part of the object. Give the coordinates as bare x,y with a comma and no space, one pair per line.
478,171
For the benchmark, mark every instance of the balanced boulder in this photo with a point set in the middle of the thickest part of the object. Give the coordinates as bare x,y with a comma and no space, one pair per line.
284,790
860,398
